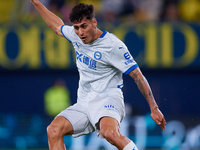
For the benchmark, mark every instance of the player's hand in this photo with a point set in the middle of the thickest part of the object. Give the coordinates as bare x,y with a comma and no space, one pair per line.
34,1
158,117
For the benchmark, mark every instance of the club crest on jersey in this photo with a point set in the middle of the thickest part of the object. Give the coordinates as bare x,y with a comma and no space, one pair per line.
97,55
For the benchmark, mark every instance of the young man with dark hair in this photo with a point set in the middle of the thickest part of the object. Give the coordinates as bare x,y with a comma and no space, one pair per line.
101,60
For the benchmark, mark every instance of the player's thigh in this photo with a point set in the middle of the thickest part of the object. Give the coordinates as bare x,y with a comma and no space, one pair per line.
60,126
78,117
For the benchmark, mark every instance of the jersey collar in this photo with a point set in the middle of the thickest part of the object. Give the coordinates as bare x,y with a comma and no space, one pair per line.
103,34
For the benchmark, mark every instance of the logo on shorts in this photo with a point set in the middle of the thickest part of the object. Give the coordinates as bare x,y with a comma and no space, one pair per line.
133,148
111,107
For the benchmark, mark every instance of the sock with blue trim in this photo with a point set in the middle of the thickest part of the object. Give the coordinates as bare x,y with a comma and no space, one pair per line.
130,146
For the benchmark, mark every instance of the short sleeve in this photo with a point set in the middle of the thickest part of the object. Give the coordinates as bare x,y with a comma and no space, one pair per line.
67,32
121,58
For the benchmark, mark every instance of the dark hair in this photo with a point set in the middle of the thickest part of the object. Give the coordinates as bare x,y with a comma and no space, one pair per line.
80,11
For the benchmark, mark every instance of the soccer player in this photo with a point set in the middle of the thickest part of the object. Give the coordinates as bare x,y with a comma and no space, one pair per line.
101,60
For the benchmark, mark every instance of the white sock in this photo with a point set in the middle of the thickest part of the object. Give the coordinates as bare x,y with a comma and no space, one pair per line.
130,146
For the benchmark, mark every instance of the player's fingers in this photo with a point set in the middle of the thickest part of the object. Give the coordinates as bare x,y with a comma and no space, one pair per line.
158,121
163,124
164,121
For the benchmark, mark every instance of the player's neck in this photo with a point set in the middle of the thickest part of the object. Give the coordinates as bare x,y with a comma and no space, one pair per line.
98,34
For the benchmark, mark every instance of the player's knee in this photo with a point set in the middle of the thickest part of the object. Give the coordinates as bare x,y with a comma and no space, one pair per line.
110,135
53,132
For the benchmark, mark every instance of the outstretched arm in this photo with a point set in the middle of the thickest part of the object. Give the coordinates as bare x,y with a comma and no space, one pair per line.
53,21
145,89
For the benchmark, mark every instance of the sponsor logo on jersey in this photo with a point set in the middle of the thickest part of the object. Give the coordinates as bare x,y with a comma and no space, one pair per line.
128,61
121,47
127,55
97,55
77,44
91,63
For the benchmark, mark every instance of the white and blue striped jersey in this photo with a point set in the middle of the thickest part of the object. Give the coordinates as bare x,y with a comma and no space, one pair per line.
100,64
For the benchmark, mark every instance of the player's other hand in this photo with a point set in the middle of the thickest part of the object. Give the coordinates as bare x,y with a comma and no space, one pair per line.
158,117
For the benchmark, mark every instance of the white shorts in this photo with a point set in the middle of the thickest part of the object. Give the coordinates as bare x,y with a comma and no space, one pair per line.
85,117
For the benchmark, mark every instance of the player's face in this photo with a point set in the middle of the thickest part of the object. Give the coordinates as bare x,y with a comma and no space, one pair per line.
86,30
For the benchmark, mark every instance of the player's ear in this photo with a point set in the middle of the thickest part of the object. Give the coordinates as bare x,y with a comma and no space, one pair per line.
94,21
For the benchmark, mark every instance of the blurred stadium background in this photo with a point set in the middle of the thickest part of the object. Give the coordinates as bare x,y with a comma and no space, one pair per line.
38,77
